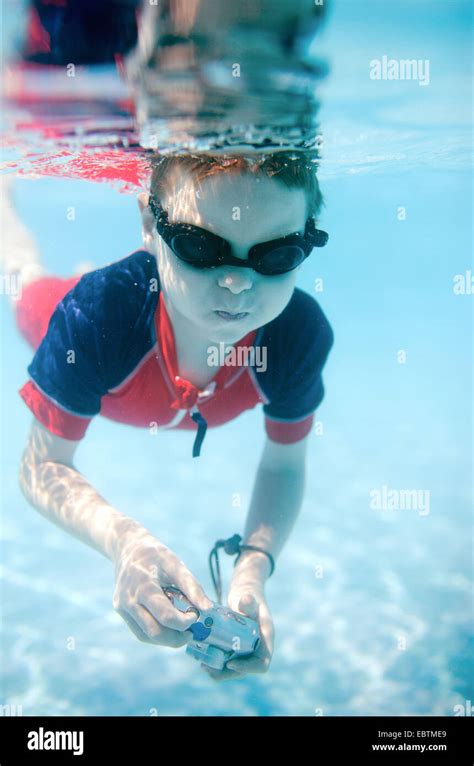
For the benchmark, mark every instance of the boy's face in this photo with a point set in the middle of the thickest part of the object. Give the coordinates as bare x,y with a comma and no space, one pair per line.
245,211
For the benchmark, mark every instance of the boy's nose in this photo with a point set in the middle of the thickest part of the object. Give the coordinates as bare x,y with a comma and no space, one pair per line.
236,280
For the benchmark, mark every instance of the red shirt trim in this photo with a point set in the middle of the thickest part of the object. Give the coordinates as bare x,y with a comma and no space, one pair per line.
288,432
56,420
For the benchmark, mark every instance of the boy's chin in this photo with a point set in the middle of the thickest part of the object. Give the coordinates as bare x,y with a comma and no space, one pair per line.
230,331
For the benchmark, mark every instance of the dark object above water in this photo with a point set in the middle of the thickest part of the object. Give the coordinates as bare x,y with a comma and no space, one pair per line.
79,31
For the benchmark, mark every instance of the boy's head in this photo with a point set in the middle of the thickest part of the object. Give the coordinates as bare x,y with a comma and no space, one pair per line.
245,201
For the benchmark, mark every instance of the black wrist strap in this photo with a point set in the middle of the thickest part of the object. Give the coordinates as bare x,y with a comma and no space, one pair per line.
231,546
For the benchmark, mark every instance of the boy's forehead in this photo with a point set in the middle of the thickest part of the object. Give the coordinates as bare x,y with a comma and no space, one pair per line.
220,200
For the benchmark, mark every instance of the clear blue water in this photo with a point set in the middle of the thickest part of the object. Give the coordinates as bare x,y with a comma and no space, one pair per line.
387,629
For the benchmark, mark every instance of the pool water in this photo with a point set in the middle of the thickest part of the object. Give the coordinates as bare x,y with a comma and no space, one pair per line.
372,606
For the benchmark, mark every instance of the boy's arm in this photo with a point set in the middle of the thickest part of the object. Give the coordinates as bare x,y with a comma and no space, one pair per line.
50,482
143,564
275,504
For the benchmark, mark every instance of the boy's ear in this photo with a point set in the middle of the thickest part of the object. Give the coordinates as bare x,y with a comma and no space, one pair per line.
142,200
147,220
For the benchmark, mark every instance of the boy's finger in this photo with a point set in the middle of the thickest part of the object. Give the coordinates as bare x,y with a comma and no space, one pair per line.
193,591
239,600
248,605
156,632
165,613
222,675
252,664
135,628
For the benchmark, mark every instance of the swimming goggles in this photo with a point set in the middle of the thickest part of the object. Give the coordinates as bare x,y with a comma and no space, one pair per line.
204,250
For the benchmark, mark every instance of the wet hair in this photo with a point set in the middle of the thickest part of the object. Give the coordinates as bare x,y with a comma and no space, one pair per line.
293,169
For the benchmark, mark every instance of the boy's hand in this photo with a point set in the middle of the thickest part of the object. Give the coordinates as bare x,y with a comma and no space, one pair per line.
142,566
246,595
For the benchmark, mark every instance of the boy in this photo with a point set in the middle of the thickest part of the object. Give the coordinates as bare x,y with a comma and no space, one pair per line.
133,340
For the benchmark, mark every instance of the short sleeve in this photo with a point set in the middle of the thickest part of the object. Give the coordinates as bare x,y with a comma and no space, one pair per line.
66,374
96,336
305,340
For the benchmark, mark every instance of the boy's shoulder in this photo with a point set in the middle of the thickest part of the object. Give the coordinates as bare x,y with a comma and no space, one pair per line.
106,319
117,297
302,324
126,278
297,343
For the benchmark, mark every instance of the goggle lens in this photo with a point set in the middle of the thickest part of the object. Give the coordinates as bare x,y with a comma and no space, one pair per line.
281,259
195,250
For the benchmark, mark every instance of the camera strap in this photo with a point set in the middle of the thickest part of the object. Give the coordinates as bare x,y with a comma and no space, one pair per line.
231,546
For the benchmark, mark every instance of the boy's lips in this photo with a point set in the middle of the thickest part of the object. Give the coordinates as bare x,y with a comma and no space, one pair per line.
231,315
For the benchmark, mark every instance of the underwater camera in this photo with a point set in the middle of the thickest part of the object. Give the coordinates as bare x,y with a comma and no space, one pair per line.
219,633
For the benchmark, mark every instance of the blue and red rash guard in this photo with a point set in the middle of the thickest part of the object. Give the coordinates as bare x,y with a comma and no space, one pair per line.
105,344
